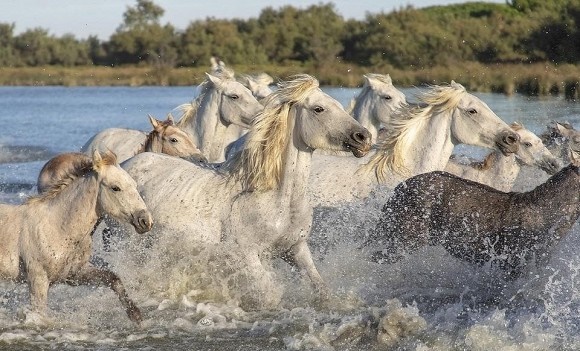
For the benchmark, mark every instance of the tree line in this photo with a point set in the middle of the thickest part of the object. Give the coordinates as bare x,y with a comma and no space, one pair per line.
519,31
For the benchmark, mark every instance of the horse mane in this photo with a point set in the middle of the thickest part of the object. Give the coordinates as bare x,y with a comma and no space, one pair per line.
404,126
258,167
65,173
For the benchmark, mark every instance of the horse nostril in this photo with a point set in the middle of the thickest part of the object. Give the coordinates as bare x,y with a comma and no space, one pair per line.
359,137
511,139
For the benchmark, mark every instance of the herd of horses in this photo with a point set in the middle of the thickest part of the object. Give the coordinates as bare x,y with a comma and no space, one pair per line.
244,167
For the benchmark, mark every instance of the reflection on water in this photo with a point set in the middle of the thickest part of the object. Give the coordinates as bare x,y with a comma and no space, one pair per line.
427,301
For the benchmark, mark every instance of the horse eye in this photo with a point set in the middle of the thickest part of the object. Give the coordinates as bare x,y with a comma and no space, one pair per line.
528,144
115,188
472,111
173,140
319,109
234,97
387,97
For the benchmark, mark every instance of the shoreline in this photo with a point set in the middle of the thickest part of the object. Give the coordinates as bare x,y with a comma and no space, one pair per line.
539,79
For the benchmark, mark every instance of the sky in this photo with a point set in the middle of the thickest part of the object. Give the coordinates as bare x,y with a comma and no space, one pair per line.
102,17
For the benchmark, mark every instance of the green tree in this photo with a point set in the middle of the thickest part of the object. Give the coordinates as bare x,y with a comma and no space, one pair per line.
7,54
34,47
141,38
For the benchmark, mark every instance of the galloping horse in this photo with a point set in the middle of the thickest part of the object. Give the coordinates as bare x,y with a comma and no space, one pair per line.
420,139
215,117
165,138
47,239
477,223
500,171
259,199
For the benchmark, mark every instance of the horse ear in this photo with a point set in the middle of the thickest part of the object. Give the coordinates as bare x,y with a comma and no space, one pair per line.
388,79
154,122
170,121
252,84
97,160
456,85
214,80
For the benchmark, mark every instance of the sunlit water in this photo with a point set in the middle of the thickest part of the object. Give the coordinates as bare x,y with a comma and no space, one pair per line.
428,301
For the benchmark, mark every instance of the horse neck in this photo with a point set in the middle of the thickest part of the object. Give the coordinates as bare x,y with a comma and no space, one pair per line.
502,173
75,207
296,169
209,133
363,113
431,146
152,143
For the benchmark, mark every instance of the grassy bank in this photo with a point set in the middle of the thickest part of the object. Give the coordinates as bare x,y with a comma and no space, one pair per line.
534,79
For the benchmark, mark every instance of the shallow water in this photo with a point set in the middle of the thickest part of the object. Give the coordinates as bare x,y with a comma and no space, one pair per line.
428,301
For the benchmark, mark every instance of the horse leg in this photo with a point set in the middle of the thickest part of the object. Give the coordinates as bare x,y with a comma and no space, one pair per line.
38,284
301,256
91,275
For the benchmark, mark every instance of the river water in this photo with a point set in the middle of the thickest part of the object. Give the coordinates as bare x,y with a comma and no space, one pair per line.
428,301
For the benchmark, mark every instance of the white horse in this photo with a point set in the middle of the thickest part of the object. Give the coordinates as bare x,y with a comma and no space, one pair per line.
420,139
376,102
259,84
500,171
215,117
165,137
47,239
259,199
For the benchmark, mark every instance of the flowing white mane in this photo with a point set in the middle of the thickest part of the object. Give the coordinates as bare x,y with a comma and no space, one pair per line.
259,165
404,126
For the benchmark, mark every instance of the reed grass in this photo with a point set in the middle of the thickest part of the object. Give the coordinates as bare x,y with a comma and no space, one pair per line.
539,79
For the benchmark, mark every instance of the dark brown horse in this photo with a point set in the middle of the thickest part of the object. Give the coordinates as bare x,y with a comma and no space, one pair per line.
477,223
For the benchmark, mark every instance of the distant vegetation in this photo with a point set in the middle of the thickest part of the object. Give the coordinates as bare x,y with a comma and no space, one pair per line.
528,46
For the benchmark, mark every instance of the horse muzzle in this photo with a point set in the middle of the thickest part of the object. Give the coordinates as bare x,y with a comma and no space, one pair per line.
142,221
359,143
508,142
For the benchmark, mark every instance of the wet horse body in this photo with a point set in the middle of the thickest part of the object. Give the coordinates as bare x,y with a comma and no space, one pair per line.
475,222
258,200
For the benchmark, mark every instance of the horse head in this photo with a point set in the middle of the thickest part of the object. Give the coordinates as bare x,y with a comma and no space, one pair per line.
169,139
474,123
118,195
533,152
237,105
323,123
